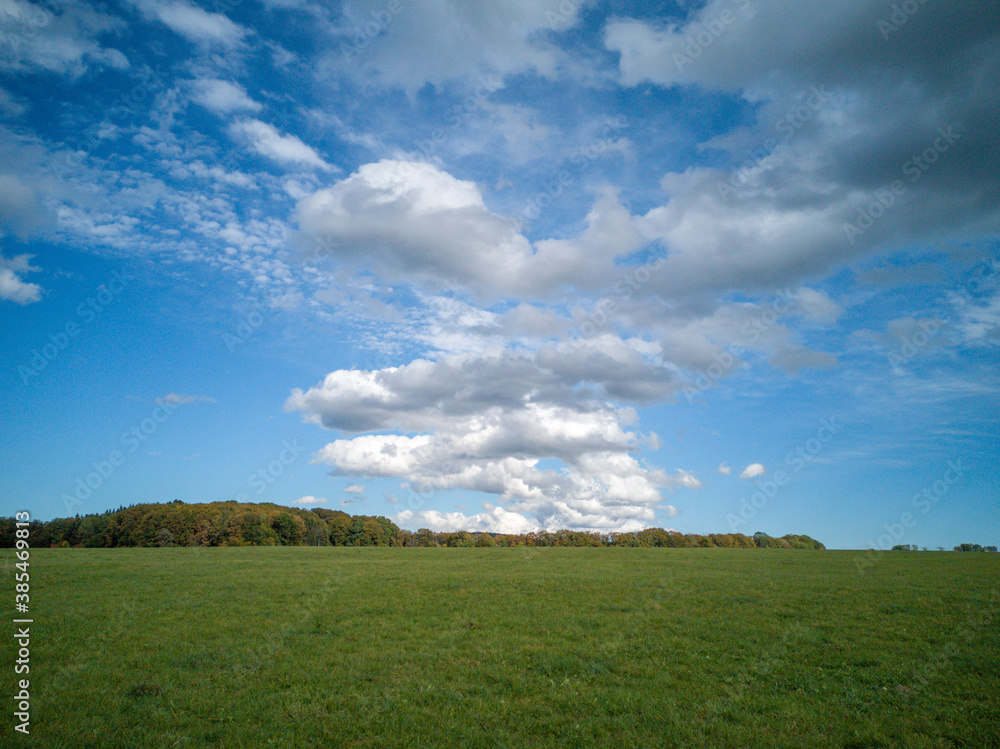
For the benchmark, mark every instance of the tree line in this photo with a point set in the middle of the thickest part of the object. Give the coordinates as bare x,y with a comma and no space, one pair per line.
242,524
960,547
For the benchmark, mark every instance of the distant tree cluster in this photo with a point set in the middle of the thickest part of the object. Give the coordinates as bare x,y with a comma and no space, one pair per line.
239,524
960,547
650,537
213,524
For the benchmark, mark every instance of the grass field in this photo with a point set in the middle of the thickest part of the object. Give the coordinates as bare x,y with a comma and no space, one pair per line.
374,647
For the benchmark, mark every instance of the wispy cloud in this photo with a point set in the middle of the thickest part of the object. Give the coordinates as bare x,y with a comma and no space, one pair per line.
222,97
196,25
266,140
175,399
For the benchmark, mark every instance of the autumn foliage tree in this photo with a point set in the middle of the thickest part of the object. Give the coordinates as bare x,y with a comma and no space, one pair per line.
243,524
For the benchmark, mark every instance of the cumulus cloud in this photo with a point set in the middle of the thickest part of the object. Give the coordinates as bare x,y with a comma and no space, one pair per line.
437,41
417,394
222,97
496,520
269,142
533,430
842,113
413,221
753,470
688,480
357,489
12,288
309,501
724,469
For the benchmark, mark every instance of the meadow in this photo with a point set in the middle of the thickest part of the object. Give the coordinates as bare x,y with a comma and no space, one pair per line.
509,647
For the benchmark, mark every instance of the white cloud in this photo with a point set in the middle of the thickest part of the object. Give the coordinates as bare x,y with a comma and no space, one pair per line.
753,470
980,323
752,42
688,480
412,221
724,469
486,423
790,207
21,213
175,399
420,393
412,44
33,39
196,25
309,501
10,106
285,149
357,489
12,288
496,520
222,97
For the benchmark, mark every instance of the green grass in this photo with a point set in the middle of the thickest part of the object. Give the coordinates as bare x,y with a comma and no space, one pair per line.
341,647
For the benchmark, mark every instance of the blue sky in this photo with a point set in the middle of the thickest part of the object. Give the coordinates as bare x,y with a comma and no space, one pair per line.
507,265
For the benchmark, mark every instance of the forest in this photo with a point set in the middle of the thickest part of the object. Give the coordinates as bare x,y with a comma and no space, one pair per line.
242,524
